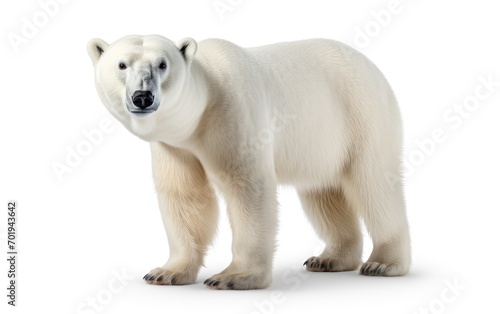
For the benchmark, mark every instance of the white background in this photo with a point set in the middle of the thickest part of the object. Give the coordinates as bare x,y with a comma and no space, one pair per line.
76,233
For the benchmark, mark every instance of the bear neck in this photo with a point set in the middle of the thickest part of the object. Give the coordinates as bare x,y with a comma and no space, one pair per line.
180,123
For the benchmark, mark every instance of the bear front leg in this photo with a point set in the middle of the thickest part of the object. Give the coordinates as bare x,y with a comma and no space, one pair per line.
252,209
189,211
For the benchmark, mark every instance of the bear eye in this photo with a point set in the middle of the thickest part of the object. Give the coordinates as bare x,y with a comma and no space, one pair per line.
122,66
162,65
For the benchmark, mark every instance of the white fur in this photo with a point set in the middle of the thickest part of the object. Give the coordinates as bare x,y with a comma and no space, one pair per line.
314,114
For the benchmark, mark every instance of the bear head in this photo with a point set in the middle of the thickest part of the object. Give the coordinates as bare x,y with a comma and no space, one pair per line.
142,79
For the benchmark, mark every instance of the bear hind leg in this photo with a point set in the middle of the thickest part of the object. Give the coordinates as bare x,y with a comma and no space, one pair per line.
381,205
338,225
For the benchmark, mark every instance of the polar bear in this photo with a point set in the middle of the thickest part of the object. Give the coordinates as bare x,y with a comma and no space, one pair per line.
313,114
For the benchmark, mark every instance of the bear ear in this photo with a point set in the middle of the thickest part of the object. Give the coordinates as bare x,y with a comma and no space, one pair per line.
96,48
187,48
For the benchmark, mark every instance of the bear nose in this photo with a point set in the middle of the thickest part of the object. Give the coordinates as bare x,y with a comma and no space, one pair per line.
143,99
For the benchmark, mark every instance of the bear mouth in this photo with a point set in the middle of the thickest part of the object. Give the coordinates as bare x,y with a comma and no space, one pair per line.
142,112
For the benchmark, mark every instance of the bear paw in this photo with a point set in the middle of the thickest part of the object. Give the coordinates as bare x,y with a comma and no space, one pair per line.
237,282
380,269
322,264
162,276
